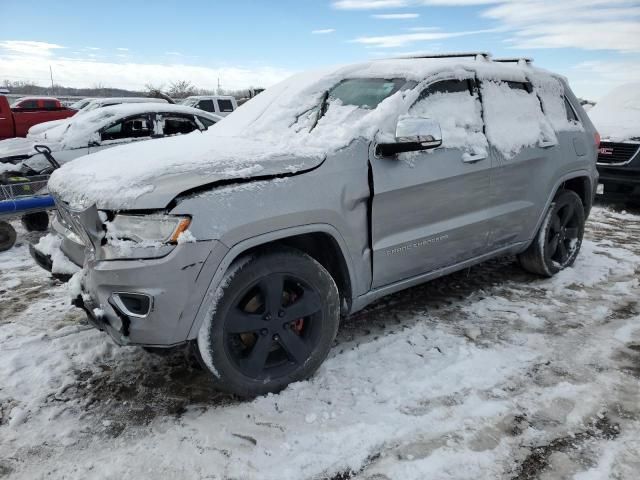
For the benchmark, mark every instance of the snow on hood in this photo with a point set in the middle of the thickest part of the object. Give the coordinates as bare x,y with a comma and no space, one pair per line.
617,115
273,126
19,146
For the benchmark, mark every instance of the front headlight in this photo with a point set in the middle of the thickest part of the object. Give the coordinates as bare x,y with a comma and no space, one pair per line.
147,228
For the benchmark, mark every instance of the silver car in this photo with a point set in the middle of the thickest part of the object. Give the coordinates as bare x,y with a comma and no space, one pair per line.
319,196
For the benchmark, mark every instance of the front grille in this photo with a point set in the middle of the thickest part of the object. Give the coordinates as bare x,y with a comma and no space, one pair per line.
611,153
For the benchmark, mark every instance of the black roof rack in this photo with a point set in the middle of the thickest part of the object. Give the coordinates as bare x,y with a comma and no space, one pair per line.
486,55
526,60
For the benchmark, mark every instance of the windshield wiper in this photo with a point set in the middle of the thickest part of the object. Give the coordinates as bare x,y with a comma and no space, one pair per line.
322,109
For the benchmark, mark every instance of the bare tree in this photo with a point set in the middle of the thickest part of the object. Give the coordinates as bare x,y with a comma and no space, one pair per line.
181,89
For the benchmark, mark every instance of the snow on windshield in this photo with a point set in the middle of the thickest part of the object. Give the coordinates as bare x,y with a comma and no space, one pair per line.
617,115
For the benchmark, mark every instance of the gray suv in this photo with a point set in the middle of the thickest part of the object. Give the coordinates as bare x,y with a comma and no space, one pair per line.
326,192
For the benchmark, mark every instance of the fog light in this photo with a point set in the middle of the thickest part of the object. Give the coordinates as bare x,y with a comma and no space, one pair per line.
133,304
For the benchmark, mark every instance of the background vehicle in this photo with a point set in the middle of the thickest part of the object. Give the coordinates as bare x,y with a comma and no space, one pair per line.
100,129
89,105
80,104
219,104
617,118
15,120
288,214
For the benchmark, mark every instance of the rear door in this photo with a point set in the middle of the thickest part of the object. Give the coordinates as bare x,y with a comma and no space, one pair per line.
430,208
524,153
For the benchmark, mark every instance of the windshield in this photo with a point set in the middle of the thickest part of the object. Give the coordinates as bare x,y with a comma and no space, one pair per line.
365,92
80,104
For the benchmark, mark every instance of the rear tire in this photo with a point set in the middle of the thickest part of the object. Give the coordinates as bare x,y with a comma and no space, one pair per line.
36,222
7,236
275,319
557,243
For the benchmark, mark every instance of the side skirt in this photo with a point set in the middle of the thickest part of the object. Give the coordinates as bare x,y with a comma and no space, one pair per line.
370,297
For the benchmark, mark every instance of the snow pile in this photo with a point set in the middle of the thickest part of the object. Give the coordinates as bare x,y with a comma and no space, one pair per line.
513,118
277,124
551,93
617,115
460,118
49,245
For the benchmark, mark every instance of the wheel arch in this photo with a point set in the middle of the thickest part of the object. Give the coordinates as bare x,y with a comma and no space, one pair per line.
322,242
580,182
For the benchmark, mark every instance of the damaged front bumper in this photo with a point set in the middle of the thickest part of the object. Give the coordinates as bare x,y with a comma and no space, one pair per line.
150,302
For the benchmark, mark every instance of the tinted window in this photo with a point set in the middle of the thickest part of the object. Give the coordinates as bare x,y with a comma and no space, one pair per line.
206,105
177,125
365,92
571,114
225,105
519,86
50,105
28,104
446,86
206,122
136,127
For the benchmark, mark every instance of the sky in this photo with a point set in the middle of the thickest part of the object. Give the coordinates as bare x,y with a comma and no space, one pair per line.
251,43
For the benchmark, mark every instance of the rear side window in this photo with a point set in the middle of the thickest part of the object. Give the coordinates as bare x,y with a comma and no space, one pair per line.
225,106
571,113
177,125
206,122
130,128
456,106
206,105
50,105
513,118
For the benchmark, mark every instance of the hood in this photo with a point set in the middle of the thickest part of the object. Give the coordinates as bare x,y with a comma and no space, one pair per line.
21,148
150,175
617,115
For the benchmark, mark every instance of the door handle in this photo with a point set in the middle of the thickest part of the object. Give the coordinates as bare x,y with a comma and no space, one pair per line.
547,143
473,158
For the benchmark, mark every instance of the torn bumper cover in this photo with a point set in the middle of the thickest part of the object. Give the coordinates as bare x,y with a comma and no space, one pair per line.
150,302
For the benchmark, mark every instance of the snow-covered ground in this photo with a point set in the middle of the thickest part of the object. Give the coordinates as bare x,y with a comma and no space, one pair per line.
488,373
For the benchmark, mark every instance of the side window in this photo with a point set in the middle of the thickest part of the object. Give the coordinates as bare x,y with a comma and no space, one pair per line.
206,122
177,125
50,105
29,105
571,114
455,104
225,105
513,117
133,127
206,105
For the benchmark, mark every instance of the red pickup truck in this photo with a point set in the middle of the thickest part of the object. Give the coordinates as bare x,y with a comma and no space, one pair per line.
15,121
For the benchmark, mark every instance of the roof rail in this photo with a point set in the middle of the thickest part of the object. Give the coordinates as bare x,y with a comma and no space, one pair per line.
526,60
485,55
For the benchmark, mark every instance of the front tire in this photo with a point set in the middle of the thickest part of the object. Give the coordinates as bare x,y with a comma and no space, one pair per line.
275,319
558,241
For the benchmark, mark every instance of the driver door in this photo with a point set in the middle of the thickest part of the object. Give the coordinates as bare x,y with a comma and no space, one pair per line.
431,208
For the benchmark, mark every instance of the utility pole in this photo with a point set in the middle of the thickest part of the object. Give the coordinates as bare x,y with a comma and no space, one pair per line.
218,86
51,75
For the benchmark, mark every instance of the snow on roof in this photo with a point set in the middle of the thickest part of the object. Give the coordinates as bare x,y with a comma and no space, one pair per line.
617,115
76,131
272,126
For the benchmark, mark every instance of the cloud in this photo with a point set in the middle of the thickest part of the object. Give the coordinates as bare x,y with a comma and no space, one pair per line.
403,39
368,4
92,48
29,48
396,16
583,24
176,54
122,49
323,31
85,72
594,79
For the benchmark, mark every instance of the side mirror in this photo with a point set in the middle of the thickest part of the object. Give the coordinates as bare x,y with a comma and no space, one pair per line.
413,134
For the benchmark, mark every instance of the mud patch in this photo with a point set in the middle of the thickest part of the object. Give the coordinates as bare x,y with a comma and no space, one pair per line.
538,461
